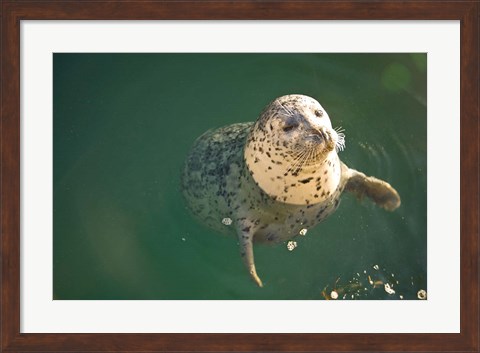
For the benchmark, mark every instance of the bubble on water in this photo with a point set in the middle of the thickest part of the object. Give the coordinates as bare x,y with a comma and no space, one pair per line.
184,239
422,294
303,231
227,221
333,294
389,289
374,282
291,245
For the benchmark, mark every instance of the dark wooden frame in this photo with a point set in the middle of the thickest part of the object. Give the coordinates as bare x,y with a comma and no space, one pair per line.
467,12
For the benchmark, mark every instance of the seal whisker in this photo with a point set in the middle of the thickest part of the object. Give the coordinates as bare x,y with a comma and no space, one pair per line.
308,160
289,112
298,153
297,164
295,159
301,161
340,144
311,156
305,156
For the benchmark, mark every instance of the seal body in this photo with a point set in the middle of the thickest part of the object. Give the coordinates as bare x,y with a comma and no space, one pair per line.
275,177
217,185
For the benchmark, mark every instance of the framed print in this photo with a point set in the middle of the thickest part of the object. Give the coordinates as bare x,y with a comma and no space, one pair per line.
273,176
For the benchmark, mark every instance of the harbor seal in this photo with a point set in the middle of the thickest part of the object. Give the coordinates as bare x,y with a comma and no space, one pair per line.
269,180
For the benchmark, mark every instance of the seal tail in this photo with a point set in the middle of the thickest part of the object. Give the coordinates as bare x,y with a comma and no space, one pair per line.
245,237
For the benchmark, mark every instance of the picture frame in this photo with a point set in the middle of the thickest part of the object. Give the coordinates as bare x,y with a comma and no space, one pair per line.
467,12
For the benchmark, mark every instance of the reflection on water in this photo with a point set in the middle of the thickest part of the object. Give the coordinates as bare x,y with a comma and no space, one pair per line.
123,125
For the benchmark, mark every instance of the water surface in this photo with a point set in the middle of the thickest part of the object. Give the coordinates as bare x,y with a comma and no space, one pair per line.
124,123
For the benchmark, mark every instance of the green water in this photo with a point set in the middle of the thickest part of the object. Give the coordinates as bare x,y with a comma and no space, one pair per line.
124,123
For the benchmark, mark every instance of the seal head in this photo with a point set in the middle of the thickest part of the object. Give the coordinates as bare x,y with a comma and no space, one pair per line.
291,151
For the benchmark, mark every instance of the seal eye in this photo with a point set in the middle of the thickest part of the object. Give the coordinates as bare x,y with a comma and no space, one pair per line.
318,113
289,127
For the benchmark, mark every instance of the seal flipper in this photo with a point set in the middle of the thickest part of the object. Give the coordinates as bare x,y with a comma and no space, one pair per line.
379,191
245,237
